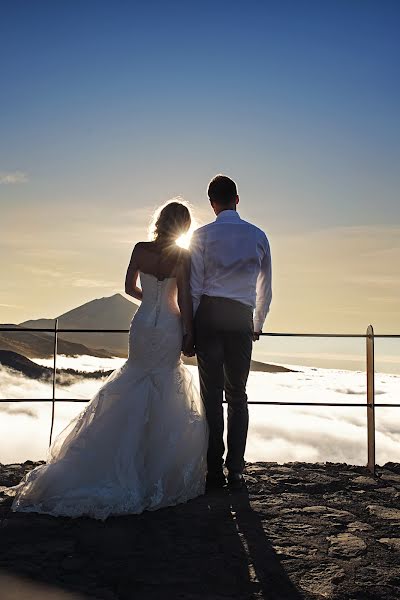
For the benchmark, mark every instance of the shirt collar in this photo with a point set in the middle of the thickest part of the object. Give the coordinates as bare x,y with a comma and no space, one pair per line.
228,216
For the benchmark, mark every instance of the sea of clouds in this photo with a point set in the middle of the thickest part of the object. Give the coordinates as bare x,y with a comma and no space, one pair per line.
277,433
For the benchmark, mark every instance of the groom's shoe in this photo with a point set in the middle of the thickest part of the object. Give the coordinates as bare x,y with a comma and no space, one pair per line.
235,481
215,481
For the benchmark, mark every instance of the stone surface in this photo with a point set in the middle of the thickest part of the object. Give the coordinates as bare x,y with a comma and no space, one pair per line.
299,532
385,512
388,490
393,478
359,526
393,543
321,581
360,480
327,512
295,551
345,545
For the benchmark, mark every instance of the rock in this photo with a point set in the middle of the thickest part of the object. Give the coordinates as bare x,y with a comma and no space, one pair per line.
393,543
281,468
322,580
7,491
321,477
250,479
359,526
301,528
384,512
387,490
392,467
368,481
374,578
295,552
345,545
393,477
315,509
327,512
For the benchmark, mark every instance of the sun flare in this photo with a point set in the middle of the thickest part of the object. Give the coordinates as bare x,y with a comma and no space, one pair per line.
184,240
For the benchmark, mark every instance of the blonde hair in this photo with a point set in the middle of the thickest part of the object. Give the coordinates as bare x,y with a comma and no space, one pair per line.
170,221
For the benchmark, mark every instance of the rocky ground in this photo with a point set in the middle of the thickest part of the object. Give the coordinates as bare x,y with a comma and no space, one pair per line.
300,531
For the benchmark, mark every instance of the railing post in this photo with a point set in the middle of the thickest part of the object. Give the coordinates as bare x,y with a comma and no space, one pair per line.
371,398
53,405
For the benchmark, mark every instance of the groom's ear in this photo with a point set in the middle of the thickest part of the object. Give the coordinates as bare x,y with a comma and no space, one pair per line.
237,200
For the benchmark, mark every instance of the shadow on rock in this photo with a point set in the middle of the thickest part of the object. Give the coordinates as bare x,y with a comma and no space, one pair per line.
212,547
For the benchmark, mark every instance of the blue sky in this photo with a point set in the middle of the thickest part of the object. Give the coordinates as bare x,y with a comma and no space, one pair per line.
283,95
114,106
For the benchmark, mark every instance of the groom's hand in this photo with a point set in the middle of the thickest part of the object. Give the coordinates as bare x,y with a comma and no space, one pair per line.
188,344
256,335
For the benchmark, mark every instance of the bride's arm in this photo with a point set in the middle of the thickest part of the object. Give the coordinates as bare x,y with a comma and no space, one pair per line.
185,303
132,274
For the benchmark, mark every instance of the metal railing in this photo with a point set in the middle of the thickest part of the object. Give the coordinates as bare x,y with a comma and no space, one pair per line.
370,404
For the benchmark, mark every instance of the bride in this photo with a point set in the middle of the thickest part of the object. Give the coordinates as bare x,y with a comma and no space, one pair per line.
141,442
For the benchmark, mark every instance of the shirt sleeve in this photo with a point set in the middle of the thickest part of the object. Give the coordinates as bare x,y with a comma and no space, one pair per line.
197,269
263,290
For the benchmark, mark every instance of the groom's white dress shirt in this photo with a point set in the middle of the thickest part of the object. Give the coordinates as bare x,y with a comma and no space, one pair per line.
231,259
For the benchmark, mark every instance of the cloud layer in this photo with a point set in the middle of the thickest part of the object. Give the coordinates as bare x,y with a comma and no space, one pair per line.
277,433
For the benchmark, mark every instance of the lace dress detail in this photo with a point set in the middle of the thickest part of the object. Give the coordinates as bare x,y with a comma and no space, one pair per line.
141,442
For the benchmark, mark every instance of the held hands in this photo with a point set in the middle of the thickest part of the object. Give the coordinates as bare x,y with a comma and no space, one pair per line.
188,344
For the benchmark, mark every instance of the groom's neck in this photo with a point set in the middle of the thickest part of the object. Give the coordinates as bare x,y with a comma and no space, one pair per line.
219,209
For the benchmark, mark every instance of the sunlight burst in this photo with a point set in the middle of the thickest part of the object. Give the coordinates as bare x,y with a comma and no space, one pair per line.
184,240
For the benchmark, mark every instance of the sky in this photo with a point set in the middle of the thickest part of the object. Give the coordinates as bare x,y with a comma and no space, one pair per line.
108,109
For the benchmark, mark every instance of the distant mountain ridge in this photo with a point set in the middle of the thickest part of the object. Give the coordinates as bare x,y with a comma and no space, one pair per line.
112,312
41,345
24,366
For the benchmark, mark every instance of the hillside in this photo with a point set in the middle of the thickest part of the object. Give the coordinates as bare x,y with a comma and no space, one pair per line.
113,312
40,345
28,368
23,365
255,365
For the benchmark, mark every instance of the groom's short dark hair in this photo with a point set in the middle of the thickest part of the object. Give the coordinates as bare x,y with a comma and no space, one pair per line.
222,190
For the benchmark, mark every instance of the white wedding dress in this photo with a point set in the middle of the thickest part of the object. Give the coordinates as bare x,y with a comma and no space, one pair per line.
141,442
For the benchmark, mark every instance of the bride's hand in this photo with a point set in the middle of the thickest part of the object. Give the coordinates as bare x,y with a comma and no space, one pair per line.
188,344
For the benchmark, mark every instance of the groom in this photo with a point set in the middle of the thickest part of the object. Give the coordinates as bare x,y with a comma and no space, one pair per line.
230,280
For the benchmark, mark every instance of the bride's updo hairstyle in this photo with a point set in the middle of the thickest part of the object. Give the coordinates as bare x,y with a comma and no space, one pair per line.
170,222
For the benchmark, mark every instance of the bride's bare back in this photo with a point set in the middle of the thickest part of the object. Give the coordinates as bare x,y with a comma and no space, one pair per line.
159,260
163,261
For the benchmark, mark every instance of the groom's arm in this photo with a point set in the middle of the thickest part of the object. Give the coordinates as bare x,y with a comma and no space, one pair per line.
197,269
264,290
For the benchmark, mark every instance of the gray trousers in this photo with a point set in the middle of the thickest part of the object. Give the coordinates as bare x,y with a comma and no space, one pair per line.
224,339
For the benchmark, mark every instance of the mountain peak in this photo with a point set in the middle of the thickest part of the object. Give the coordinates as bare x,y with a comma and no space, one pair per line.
106,303
111,299
109,312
